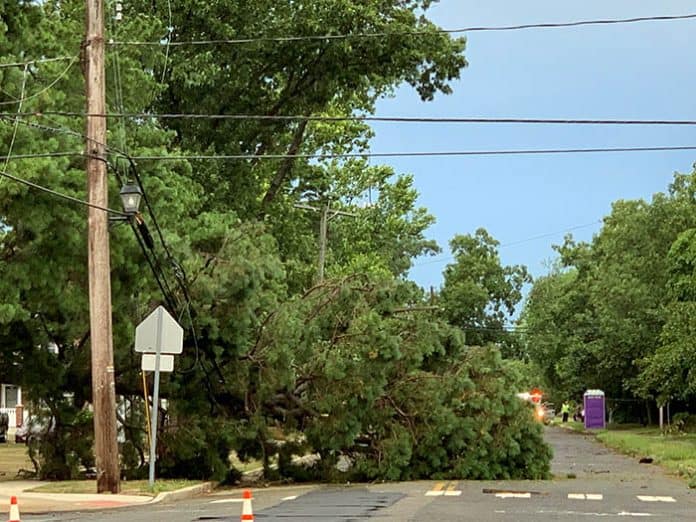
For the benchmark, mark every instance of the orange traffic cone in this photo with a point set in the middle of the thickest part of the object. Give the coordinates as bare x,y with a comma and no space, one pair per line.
247,513
14,510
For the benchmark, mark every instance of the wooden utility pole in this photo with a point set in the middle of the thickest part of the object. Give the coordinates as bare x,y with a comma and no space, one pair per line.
103,385
326,215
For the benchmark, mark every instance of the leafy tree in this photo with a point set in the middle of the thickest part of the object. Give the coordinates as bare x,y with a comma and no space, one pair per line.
669,372
600,323
479,294
288,78
344,368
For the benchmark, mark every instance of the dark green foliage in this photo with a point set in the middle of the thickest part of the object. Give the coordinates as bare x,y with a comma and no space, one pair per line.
618,315
60,446
480,294
365,395
279,366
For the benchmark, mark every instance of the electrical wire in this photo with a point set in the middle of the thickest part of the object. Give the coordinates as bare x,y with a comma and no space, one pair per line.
66,131
551,234
445,259
179,273
434,32
59,194
19,109
198,157
226,157
150,255
381,119
170,30
36,155
38,60
49,86
153,267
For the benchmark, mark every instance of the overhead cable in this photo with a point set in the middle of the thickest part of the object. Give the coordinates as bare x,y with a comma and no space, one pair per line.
38,60
66,131
224,157
348,155
47,87
37,155
384,34
444,259
17,120
383,119
59,194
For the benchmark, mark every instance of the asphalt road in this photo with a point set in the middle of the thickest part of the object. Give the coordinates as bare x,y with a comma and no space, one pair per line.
606,486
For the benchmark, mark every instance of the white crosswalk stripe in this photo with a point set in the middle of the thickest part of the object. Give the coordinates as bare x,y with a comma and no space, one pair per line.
648,498
585,496
513,495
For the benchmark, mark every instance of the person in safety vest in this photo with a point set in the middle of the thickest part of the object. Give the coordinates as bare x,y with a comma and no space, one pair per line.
565,411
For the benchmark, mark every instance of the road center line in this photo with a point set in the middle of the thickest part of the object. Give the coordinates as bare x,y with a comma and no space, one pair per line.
444,488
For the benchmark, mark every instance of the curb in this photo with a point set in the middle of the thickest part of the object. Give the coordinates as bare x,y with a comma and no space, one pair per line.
191,491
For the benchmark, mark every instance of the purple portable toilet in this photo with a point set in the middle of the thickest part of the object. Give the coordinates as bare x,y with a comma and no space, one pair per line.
593,401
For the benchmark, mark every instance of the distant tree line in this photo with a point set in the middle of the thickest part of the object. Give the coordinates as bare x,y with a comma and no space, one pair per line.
618,313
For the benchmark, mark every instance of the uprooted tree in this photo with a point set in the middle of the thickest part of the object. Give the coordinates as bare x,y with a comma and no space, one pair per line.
346,372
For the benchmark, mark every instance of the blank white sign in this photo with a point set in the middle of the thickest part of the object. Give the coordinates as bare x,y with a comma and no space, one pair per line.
147,363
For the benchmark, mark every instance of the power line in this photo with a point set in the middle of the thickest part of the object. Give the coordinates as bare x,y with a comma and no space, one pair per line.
17,120
551,234
170,30
199,157
386,119
37,155
38,60
444,259
49,86
384,34
348,155
59,194
66,131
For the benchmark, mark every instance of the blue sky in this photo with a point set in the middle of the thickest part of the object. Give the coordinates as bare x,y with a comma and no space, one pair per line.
633,71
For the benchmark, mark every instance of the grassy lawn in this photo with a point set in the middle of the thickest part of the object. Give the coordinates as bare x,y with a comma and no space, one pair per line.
131,487
570,425
13,457
677,453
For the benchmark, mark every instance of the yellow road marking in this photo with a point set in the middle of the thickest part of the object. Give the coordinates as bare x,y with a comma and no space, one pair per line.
437,491
452,491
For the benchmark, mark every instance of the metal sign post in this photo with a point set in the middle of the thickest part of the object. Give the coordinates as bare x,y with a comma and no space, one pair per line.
155,404
161,334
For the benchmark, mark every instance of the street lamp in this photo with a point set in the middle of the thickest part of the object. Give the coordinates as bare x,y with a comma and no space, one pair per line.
130,198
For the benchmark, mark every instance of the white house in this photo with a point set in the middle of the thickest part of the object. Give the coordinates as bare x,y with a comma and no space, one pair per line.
11,403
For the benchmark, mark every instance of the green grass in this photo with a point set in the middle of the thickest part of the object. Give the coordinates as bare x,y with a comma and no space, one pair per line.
131,487
677,453
570,425
13,457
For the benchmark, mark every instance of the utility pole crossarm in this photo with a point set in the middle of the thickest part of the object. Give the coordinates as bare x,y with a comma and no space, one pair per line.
326,215
333,212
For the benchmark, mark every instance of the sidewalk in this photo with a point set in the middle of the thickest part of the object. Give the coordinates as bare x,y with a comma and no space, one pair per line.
33,503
